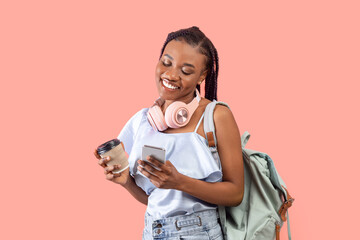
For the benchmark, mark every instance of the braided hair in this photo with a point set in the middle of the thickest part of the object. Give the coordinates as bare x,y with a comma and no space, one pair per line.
196,38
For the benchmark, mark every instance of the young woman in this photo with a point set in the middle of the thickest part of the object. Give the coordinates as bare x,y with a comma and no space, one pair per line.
182,194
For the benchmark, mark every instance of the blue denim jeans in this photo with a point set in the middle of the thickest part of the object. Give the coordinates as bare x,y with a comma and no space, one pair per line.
202,225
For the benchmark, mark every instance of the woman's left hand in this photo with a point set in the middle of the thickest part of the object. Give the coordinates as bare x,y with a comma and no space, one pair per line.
166,177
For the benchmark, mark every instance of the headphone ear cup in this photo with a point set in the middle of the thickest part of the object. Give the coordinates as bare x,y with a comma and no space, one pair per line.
171,114
156,118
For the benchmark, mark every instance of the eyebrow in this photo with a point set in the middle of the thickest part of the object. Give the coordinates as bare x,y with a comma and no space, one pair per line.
186,64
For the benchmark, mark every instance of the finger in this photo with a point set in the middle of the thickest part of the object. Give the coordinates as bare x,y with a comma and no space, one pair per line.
112,176
165,168
103,161
168,163
96,154
148,167
153,179
108,169
155,162
116,167
157,184
147,173
116,175
109,176
107,159
147,163
111,168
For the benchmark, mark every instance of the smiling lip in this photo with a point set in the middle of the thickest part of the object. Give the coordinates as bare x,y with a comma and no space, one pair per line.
169,89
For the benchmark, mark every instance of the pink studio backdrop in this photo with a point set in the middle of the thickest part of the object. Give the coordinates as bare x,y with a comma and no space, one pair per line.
73,72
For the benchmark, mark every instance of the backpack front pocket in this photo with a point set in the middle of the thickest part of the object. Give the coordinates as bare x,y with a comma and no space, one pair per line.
266,231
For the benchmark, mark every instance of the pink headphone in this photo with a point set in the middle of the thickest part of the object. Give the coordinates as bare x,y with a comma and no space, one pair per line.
177,114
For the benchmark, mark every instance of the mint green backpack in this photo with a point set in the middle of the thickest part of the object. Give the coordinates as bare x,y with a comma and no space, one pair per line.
266,200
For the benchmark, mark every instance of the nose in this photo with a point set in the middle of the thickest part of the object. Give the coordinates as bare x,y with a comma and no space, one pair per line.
172,74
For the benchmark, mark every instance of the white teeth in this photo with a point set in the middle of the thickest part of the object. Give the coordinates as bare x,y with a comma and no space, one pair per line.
168,85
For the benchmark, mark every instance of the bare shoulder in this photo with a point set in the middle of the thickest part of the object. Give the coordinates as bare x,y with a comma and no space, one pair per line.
224,121
222,113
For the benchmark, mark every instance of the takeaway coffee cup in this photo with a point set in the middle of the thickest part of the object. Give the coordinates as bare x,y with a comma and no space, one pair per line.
115,150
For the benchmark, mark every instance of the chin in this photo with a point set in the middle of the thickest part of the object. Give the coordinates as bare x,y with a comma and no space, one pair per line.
166,96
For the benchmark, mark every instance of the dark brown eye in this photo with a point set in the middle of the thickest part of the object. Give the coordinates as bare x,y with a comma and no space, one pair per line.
166,63
186,73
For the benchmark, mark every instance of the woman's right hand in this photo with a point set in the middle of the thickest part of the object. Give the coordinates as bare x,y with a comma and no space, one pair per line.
121,178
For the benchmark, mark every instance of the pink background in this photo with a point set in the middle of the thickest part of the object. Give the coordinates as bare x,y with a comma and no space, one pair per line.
73,72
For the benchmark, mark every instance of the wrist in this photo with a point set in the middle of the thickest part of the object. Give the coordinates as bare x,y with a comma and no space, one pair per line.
182,182
129,182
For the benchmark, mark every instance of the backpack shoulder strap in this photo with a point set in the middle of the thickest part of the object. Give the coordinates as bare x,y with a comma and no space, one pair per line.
209,130
209,127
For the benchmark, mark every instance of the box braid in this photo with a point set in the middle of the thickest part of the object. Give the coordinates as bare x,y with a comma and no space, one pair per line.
196,38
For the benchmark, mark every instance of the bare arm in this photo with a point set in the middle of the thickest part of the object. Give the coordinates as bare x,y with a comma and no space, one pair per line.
229,192
136,191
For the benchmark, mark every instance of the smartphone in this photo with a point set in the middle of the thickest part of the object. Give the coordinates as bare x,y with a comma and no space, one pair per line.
156,152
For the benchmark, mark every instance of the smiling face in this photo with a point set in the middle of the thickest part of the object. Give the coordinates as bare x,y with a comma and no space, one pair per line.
180,68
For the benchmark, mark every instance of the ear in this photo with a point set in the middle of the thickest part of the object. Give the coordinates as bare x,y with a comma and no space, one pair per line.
202,77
